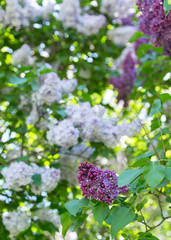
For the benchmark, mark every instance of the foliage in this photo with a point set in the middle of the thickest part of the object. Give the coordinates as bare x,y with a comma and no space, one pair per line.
34,100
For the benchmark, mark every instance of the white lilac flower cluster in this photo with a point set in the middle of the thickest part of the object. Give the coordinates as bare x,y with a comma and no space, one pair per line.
49,179
115,8
64,134
22,56
86,24
15,222
21,13
53,88
122,34
19,174
48,215
91,124
50,91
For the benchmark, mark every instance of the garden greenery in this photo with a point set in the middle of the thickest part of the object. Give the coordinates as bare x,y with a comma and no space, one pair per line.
85,113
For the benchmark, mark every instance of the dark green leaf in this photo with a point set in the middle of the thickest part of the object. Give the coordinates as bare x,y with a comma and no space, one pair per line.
120,218
100,212
37,180
66,223
128,176
74,205
154,174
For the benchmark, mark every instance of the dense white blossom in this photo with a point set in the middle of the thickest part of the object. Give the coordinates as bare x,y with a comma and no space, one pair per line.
94,125
21,13
49,179
48,215
15,222
68,86
64,134
22,56
15,15
2,15
17,175
70,12
71,16
117,9
90,24
121,35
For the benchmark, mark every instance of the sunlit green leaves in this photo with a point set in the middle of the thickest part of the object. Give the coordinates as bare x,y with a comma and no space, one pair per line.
156,108
154,174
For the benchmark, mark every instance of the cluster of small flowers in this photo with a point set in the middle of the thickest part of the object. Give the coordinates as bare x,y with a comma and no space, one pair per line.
91,124
98,184
15,222
154,22
22,56
125,82
19,174
51,91
48,215
17,15
53,88
49,179
86,24
122,34
115,8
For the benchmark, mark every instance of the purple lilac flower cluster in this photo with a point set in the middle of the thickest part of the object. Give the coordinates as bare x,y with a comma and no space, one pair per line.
125,82
154,22
98,184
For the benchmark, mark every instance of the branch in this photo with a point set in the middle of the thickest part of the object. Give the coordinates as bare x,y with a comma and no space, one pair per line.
149,140
161,134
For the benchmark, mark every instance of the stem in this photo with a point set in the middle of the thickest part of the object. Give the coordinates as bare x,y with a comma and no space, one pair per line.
161,134
150,140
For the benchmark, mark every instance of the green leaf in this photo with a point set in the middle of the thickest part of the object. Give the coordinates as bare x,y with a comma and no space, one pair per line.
154,124
154,174
167,6
16,80
74,206
165,97
66,223
128,176
37,180
120,218
135,37
62,112
142,159
147,236
100,212
168,173
156,108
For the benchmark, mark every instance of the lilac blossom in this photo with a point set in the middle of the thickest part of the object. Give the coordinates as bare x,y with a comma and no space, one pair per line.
125,82
155,22
98,184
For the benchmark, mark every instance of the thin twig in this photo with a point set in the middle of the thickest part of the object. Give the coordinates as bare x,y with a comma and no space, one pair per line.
161,135
150,140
